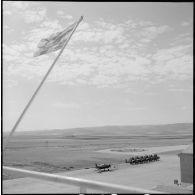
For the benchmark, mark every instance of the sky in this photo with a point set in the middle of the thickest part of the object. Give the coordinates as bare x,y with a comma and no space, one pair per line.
127,63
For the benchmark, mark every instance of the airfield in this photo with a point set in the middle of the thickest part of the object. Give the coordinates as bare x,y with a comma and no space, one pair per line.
76,154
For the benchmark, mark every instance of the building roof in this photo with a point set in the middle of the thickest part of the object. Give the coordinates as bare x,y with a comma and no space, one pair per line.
188,150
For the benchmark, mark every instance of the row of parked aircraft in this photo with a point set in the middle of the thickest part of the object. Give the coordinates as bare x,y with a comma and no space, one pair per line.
133,160
142,159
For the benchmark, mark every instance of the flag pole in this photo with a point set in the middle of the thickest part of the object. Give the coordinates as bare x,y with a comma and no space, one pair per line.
40,85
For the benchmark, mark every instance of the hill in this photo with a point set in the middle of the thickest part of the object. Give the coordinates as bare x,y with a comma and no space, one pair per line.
177,129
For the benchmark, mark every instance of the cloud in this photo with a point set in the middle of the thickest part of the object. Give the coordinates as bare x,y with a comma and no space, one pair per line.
130,24
8,51
61,14
32,16
101,32
170,53
187,23
100,53
7,29
9,83
180,68
30,13
109,67
15,4
83,26
149,33
183,39
7,12
174,63
180,89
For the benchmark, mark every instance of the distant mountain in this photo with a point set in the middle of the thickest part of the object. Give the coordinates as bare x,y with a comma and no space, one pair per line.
138,130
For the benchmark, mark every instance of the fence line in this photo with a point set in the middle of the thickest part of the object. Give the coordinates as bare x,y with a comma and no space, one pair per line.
82,183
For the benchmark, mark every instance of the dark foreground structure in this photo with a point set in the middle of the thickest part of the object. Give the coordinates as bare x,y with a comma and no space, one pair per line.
186,164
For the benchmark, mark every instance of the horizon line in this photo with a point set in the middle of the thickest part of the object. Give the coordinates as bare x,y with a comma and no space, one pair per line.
160,124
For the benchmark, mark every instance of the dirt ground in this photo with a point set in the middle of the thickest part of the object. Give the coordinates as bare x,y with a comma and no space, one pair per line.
144,150
60,155
76,155
146,176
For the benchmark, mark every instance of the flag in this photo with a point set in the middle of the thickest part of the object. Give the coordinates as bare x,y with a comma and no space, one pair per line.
54,42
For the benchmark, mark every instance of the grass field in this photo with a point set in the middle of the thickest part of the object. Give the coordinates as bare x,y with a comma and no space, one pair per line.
65,150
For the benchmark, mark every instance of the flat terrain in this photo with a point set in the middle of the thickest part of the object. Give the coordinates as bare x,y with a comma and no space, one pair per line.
56,151
147,176
144,150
